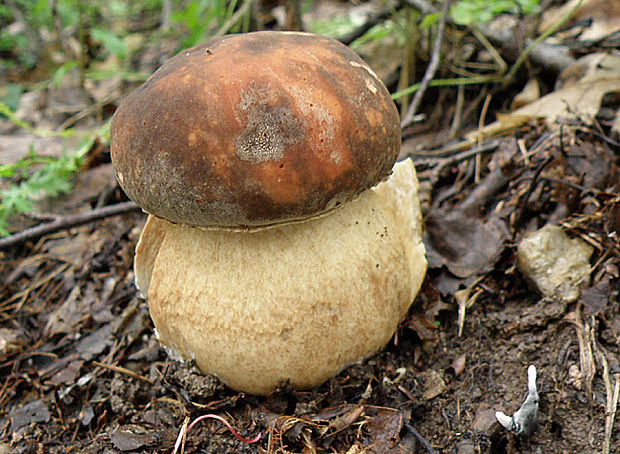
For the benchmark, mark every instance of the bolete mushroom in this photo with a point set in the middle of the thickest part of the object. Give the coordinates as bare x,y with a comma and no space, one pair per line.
277,248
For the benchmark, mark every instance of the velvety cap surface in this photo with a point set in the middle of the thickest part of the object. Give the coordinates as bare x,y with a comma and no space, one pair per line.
254,130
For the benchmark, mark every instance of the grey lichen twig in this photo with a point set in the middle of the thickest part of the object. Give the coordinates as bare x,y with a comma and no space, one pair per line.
430,70
524,421
64,222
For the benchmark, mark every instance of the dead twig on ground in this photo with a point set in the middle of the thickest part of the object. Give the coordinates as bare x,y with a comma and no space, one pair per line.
530,190
532,45
585,338
430,70
420,439
65,222
449,156
611,402
124,371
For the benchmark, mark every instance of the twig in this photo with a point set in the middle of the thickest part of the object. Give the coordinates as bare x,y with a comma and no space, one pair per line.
611,404
293,15
180,442
552,57
452,155
485,191
124,371
430,70
585,339
420,439
65,222
530,190
611,413
166,12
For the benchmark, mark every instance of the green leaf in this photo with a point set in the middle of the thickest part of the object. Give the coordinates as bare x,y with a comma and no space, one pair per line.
11,95
110,41
60,72
429,20
468,12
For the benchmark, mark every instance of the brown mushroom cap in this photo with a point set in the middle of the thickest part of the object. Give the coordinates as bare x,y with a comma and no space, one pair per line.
253,130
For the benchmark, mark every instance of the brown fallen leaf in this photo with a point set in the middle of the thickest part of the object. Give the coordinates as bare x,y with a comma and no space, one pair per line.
33,412
601,18
433,384
384,430
578,99
463,243
596,299
458,365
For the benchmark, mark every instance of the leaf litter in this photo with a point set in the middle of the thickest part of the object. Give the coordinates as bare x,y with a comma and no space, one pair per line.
82,371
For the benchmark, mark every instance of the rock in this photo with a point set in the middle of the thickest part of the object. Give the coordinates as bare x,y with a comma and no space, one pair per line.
554,263
433,384
485,422
466,447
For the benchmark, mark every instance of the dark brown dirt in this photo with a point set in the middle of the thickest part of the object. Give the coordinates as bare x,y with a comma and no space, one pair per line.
82,372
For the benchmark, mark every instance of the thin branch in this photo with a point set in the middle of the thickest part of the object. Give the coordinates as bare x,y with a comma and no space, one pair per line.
124,371
65,222
421,439
451,155
430,70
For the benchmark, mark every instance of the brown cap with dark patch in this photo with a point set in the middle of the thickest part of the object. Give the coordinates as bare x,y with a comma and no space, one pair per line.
253,130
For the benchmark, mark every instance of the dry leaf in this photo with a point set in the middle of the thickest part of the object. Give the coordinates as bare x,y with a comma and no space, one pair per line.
464,244
580,99
601,16
384,431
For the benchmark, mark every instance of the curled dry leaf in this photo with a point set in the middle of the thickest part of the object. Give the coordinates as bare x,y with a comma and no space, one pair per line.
458,365
464,244
601,18
384,430
579,99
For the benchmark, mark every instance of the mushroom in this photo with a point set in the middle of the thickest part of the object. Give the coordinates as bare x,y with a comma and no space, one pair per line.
276,246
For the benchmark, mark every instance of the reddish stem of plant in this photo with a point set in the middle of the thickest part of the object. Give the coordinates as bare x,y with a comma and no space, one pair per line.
226,423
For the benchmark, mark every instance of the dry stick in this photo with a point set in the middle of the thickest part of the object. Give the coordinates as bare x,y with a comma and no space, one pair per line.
551,57
452,156
65,222
532,45
611,403
611,411
430,70
420,439
530,190
124,371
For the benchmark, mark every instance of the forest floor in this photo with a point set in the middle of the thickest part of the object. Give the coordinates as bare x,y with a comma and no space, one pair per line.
82,371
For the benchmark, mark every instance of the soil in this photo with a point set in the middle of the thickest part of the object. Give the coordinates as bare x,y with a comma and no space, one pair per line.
83,372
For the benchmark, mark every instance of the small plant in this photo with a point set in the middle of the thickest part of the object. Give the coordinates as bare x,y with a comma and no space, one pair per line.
34,177
50,179
200,17
470,12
